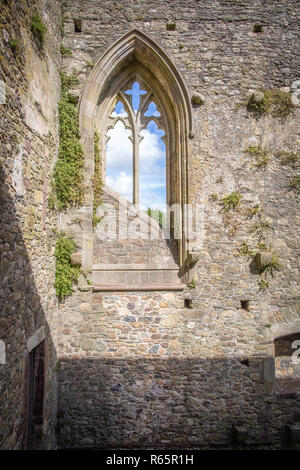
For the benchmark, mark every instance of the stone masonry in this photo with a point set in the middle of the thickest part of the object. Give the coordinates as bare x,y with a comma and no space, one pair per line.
157,368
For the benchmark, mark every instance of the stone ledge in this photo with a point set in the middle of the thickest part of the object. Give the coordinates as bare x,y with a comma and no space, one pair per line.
139,287
134,267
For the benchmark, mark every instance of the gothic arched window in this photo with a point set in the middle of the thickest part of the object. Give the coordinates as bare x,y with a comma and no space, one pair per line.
135,154
136,91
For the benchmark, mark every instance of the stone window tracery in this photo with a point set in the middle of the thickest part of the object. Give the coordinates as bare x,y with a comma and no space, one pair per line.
135,111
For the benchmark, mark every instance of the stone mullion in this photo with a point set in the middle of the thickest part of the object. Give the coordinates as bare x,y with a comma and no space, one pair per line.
136,185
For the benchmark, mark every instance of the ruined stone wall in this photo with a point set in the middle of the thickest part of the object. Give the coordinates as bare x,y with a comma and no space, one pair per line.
122,250
28,131
140,369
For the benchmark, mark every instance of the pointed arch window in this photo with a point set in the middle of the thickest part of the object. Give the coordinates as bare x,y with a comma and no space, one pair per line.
135,57
136,145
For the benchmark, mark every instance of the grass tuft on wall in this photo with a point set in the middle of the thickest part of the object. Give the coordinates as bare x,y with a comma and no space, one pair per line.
38,29
276,102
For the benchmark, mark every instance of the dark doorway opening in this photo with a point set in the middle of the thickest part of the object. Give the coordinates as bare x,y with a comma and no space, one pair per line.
35,396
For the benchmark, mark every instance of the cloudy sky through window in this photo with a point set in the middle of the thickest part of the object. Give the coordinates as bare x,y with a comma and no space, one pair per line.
152,162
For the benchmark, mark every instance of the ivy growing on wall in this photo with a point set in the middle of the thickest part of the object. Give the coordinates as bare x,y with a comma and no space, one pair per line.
67,180
97,182
65,273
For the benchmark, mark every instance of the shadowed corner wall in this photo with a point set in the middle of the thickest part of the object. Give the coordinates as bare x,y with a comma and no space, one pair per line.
28,132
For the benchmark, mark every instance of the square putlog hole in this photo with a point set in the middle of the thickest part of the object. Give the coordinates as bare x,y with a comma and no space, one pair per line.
170,26
77,25
245,305
188,303
257,28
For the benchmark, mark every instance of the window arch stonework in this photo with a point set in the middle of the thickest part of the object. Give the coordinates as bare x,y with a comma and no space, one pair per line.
136,122
135,57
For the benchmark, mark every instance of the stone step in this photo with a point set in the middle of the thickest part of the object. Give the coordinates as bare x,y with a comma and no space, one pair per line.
135,274
138,287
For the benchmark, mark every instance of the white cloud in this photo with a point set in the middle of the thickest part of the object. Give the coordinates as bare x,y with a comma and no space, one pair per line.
118,150
152,166
122,183
152,155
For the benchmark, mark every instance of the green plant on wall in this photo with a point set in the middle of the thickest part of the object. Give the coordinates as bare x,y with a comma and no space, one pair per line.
261,156
244,250
38,28
15,45
65,51
67,180
157,215
288,158
192,284
252,211
231,202
260,228
65,273
276,102
97,182
295,183
263,285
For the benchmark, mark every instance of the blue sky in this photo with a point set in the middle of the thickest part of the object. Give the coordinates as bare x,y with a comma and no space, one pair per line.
152,161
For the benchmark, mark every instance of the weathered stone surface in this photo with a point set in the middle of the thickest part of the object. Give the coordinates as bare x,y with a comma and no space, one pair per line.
293,433
137,369
29,83
198,99
76,258
263,260
258,97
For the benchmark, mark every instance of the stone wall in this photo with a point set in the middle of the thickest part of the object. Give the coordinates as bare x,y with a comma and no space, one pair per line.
28,131
142,369
155,369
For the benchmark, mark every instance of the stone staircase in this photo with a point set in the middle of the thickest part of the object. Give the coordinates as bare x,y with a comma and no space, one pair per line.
129,263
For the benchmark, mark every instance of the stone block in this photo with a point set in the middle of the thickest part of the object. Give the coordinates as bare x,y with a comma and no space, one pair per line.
76,258
263,259
258,97
269,374
239,434
197,99
293,433
38,196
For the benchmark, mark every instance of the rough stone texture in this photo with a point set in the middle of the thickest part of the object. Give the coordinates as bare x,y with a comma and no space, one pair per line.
130,250
28,132
136,370
152,373
287,364
139,369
